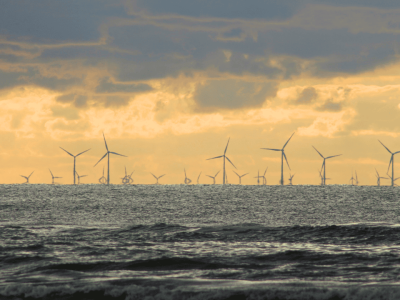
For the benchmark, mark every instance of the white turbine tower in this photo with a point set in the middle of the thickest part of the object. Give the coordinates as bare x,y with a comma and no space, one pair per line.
225,157
283,155
74,156
391,161
324,164
108,159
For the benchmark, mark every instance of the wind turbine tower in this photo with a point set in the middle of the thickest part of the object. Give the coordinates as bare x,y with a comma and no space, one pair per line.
225,157
79,177
240,176
283,155
157,177
53,177
198,178
27,178
213,177
391,161
74,156
108,159
324,164
378,182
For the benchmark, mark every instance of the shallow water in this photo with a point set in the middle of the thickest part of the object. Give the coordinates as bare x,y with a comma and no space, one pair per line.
199,242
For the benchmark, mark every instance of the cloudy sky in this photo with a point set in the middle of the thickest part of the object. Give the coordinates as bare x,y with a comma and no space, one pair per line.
168,82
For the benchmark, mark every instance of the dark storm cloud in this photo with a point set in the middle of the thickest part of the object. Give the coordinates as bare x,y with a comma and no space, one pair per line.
233,94
79,101
106,86
307,96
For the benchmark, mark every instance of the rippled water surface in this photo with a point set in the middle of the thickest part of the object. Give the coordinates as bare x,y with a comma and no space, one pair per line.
199,242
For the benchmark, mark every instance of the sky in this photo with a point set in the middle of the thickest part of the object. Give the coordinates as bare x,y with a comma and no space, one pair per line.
169,82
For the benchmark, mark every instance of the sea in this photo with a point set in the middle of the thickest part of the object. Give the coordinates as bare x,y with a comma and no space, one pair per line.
231,242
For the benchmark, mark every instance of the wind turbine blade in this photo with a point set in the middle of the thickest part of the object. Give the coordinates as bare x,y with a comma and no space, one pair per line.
199,176
161,176
83,152
100,161
318,152
24,176
271,149
226,148
215,157
287,141
376,172
230,161
396,152
31,174
83,175
118,154
105,141
284,155
244,174
265,171
235,173
391,158
216,174
77,173
66,151
51,173
333,156
209,176
153,175
385,146
185,172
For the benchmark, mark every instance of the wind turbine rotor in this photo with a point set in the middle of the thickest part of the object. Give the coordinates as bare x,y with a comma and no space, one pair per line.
101,160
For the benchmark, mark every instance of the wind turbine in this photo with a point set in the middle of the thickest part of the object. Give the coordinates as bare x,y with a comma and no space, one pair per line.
213,177
53,177
157,177
27,178
187,180
127,179
198,178
79,177
263,177
378,182
356,178
108,159
102,179
324,164
225,157
74,156
352,179
283,155
291,178
258,177
240,176
391,161
322,178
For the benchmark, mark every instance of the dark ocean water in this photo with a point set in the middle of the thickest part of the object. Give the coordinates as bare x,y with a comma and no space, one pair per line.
199,242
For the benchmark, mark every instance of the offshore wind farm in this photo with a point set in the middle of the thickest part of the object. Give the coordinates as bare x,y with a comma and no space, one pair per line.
219,150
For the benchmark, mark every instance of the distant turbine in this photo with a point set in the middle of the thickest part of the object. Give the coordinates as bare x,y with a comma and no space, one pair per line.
157,177
356,178
225,157
263,177
27,178
74,156
352,179
187,180
391,161
213,177
127,179
79,177
240,176
102,179
258,177
324,164
108,158
53,177
322,177
198,178
291,178
283,155
378,182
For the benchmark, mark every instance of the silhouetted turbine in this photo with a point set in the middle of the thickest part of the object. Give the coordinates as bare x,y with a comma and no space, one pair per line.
391,161
157,177
198,178
27,178
213,177
53,177
79,177
108,159
127,179
225,157
378,182
102,179
187,180
240,176
283,155
74,156
324,164
291,178
258,177
263,177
